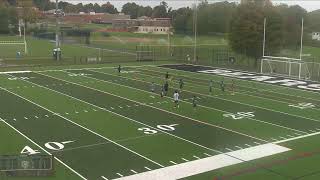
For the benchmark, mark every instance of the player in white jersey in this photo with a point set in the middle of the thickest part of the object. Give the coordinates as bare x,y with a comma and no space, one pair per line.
176,99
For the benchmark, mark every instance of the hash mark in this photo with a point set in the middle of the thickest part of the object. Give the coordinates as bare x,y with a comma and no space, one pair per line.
120,174
104,178
147,168
238,147
256,143
133,171
229,149
36,117
173,162
25,118
186,160
248,145
207,154
196,157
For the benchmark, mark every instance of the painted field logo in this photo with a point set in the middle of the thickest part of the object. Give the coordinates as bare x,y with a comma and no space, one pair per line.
25,164
78,74
239,115
303,105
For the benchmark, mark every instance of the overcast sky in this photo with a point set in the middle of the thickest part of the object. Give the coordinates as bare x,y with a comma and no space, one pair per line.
309,5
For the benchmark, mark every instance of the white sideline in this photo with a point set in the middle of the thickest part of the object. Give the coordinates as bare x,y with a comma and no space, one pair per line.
208,164
14,72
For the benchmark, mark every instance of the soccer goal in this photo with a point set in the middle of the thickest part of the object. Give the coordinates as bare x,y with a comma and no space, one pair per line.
283,66
16,46
145,53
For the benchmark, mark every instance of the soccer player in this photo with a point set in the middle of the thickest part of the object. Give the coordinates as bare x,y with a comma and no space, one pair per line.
194,101
233,85
188,58
153,87
222,85
162,91
211,86
167,75
119,69
181,83
176,99
166,88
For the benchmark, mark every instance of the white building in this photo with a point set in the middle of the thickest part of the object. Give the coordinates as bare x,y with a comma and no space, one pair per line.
144,25
316,36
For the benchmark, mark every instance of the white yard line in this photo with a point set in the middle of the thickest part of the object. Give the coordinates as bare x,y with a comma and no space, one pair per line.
44,150
245,103
14,72
165,132
123,116
103,143
154,106
246,92
191,168
74,123
238,79
296,138
189,102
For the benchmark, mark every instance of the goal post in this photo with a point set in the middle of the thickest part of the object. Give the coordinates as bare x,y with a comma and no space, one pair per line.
282,66
145,53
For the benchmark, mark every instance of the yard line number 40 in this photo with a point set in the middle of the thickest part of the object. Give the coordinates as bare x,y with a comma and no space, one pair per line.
170,127
54,146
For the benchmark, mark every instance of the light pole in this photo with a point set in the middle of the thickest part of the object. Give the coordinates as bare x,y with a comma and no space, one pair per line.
57,31
195,32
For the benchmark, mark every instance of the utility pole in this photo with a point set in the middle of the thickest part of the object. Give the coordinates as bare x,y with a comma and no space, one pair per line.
301,38
57,30
195,32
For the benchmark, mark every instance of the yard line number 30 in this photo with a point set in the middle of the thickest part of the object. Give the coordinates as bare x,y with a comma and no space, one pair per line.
146,130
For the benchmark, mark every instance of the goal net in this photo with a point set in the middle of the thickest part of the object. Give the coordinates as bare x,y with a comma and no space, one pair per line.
282,66
13,48
145,55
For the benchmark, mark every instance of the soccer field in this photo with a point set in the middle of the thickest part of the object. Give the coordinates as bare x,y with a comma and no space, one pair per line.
101,124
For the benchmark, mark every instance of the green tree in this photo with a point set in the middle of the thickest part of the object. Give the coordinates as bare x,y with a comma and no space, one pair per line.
291,17
160,11
181,17
131,9
108,8
246,31
4,23
274,30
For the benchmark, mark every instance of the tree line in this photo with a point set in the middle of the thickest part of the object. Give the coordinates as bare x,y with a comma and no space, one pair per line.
242,24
